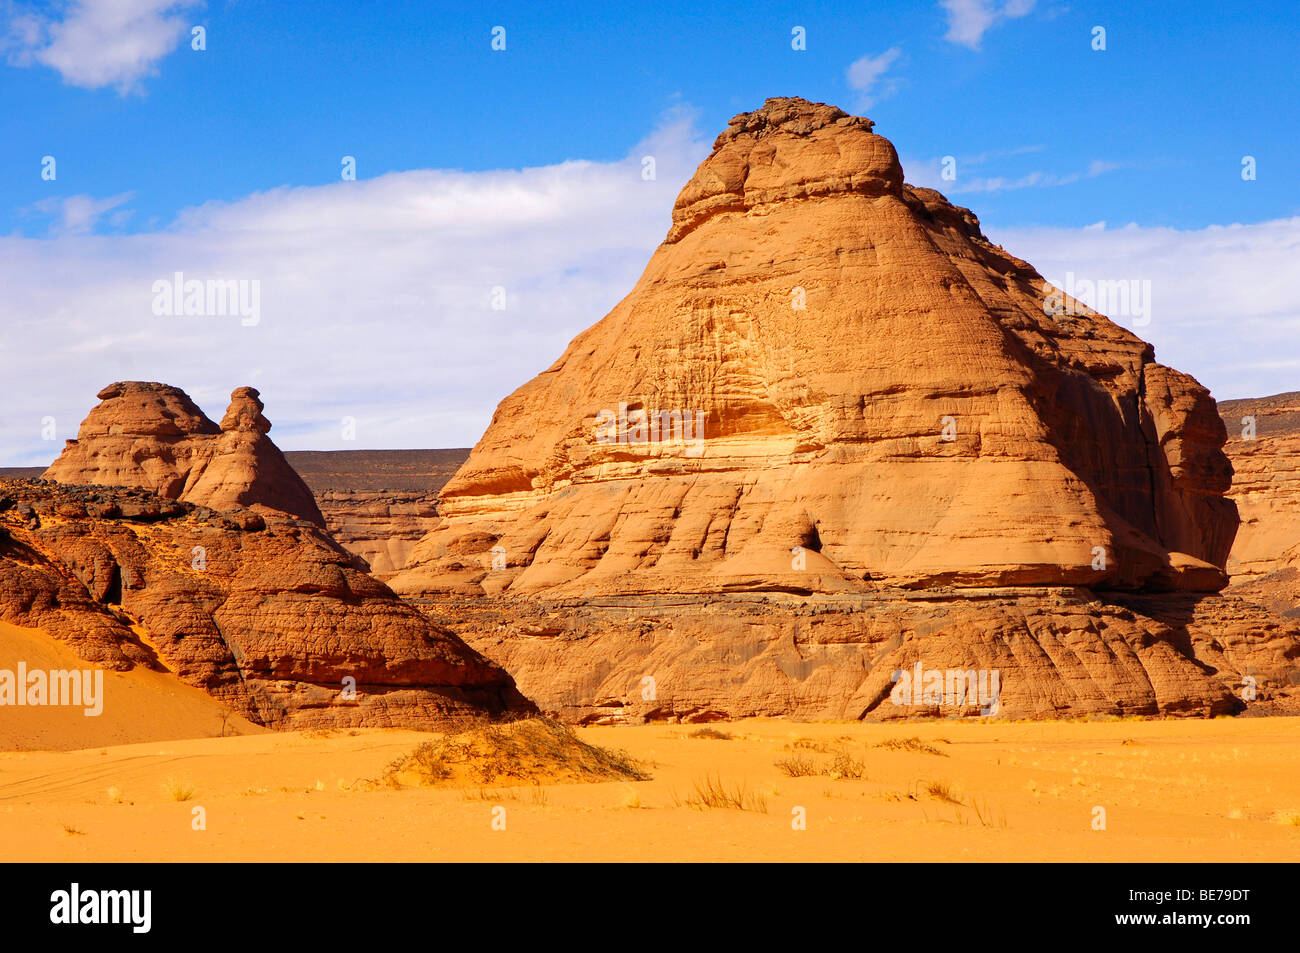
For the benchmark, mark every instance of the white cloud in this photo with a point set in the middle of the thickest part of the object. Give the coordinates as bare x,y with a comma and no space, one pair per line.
100,42
928,173
969,20
77,214
375,298
1224,306
865,76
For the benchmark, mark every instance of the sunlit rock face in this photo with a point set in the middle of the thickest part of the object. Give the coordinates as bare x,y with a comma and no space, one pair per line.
829,381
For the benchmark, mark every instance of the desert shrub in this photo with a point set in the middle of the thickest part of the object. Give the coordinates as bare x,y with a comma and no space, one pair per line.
529,751
711,733
798,766
845,766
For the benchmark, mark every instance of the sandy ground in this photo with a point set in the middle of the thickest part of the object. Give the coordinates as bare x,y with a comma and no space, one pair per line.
138,705
1172,790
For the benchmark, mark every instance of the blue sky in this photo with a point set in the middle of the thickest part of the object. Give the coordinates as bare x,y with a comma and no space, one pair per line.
1180,94
159,148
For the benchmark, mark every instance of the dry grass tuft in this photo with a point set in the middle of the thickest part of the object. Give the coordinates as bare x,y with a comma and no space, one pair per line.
941,791
530,751
911,744
178,790
712,733
713,793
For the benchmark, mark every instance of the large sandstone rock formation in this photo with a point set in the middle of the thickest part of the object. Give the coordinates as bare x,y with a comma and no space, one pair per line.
153,436
831,392
266,613
878,386
1264,445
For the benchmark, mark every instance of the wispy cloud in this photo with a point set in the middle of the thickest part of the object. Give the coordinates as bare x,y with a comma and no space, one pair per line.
929,173
98,43
1036,179
78,214
969,20
866,77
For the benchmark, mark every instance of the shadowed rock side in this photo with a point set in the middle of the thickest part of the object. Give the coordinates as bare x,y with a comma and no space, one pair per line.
1264,444
879,406
265,613
153,436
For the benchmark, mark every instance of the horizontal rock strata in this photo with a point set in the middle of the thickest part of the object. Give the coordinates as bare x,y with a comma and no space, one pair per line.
1058,652
1264,446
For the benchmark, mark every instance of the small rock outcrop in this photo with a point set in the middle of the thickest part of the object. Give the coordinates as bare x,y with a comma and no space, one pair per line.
152,435
264,612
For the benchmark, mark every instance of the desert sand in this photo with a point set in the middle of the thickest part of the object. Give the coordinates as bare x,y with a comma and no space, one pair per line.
1177,789
146,704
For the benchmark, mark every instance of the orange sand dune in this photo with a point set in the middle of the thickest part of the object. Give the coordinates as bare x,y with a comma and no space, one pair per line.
1192,790
139,705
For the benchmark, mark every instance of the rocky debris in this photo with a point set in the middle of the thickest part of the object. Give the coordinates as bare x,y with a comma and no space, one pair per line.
152,435
1264,445
262,611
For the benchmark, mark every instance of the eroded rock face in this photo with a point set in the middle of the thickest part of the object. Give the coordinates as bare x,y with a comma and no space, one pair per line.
1264,444
847,386
1056,652
266,613
152,435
